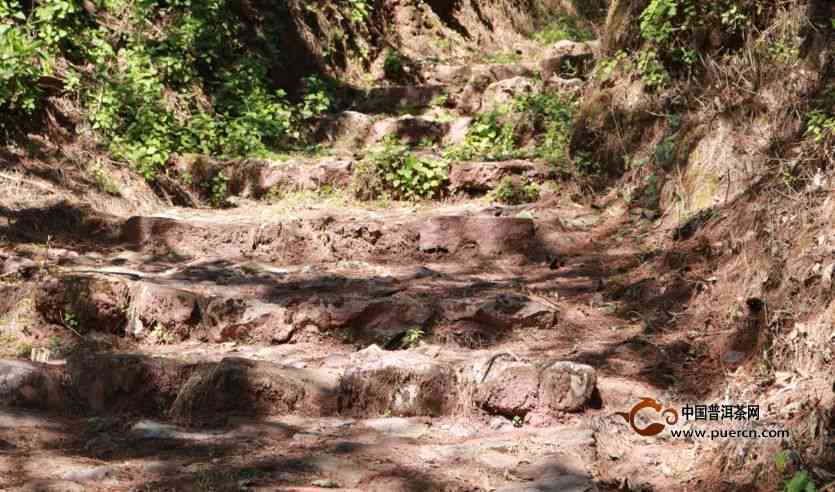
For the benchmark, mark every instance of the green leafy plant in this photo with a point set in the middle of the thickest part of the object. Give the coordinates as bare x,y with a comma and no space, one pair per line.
318,98
219,189
514,192
412,337
360,10
563,27
800,482
651,68
104,181
489,137
394,65
517,421
393,170
162,335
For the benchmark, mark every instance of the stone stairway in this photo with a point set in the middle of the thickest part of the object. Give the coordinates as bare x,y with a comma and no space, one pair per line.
401,348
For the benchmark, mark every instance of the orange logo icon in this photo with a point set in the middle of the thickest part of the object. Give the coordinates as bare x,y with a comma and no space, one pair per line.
655,428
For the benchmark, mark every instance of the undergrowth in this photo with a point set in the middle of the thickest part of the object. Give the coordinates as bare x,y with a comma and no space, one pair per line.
154,77
391,170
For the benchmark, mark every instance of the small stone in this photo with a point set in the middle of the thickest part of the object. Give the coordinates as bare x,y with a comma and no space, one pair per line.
325,484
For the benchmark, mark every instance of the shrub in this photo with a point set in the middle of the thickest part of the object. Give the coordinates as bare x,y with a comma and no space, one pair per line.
563,27
514,191
394,65
392,169
490,137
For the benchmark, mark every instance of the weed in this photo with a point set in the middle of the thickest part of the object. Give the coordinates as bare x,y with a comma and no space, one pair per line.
489,137
392,168
162,335
56,343
563,27
503,57
103,180
412,337
219,189
360,10
439,101
318,98
800,482
394,65
514,192
71,320
517,421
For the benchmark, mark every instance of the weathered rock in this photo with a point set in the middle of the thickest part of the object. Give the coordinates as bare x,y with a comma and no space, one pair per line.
400,383
347,129
480,177
486,235
460,75
394,98
247,387
151,304
408,129
501,311
256,178
564,85
567,56
29,385
108,383
506,91
510,387
458,129
11,264
85,302
566,386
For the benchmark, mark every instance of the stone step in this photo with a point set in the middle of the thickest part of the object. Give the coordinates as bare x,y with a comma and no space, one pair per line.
250,302
259,178
322,237
353,130
368,383
381,454
394,99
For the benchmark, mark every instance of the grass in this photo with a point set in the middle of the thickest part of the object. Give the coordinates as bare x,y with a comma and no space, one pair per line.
562,28
503,57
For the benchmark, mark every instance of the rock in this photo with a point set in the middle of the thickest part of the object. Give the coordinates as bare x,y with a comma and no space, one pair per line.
516,388
249,387
565,483
400,383
458,129
153,304
256,178
85,474
564,85
325,484
408,129
13,264
143,384
398,427
90,302
393,98
506,91
154,430
566,386
486,235
501,311
567,56
481,177
29,385
343,130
